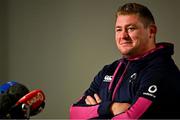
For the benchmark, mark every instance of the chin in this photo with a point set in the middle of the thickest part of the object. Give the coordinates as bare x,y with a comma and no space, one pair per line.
125,52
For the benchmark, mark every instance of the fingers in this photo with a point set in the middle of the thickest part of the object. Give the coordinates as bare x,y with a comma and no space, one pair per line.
90,100
98,100
87,101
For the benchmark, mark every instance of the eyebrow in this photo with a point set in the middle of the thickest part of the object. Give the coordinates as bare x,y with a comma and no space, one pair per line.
118,26
125,25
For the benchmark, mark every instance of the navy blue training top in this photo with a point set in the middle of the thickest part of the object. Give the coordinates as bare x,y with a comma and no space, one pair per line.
152,79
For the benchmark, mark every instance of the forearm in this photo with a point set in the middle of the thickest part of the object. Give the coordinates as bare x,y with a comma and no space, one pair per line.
83,112
136,110
90,107
117,108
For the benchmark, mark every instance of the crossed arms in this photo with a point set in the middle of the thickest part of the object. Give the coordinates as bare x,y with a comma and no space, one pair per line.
94,105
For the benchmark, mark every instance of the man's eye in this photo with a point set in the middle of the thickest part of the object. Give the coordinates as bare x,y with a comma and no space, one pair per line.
118,30
130,29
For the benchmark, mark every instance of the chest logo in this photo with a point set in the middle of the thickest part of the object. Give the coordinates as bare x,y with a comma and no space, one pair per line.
107,78
133,77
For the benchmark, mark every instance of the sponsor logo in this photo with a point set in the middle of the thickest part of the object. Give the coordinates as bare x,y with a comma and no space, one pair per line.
152,89
107,78
149,94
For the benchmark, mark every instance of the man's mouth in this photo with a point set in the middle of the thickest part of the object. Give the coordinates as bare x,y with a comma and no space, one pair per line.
125,43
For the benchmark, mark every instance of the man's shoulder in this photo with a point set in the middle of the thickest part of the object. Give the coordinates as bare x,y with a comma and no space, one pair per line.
113,64
109,68
161,66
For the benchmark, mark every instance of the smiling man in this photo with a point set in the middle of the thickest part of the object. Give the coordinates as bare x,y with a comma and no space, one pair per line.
133,37
143,83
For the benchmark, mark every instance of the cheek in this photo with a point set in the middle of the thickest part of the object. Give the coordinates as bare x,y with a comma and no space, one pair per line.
117,38
139,39
136,36
116,35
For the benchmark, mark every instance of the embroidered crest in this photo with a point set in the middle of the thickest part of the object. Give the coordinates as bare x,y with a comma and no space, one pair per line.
133,77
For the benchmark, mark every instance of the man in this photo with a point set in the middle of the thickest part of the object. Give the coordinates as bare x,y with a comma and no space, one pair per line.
144,83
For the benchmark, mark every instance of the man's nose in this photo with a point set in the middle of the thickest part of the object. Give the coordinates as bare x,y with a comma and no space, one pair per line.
124,34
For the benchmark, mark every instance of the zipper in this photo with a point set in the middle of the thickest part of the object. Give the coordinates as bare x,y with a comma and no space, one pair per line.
113,93
117,68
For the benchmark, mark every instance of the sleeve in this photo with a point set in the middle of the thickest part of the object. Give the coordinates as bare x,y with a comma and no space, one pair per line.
80,110
147,94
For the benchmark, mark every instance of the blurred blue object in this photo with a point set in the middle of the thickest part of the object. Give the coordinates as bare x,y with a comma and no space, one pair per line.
4,87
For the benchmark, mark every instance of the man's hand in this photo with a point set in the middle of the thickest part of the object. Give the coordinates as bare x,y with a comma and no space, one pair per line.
91,101
117,108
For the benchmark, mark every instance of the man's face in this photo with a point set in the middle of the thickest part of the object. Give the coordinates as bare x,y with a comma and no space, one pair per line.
132,38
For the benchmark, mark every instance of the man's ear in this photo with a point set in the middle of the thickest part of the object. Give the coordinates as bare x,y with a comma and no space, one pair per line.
152,30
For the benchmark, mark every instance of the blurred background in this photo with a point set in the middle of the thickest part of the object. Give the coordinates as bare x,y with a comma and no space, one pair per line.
58,46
